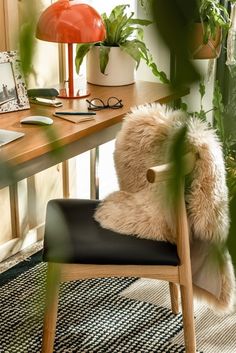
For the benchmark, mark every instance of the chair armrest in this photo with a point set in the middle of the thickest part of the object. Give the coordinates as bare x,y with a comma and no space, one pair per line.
164,172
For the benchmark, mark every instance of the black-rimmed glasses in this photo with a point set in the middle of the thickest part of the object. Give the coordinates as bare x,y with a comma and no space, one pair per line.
99,104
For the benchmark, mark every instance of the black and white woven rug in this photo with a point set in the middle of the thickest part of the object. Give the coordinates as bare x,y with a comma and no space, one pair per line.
93,316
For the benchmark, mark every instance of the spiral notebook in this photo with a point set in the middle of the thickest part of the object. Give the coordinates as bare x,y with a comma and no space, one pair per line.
7,136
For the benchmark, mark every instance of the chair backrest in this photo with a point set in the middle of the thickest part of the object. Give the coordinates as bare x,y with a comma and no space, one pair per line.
163,173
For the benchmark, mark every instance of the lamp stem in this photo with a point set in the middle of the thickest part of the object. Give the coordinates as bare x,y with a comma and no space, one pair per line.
70,69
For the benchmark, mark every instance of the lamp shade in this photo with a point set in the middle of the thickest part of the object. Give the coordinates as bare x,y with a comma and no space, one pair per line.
67,21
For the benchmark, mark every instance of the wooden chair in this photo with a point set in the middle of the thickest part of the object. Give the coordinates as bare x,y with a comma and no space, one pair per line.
69,248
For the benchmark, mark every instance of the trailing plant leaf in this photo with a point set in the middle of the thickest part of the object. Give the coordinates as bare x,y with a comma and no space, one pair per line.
201,114
218,112
137,49
132,48
147,57
202,90
161,75
228,143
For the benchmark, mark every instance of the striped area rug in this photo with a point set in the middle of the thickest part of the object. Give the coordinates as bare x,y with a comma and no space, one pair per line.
95,316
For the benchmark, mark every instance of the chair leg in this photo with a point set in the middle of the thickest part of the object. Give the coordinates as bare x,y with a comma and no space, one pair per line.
174,297
188,318
50,315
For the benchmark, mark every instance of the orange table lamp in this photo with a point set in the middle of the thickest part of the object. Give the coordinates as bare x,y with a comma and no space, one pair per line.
68,21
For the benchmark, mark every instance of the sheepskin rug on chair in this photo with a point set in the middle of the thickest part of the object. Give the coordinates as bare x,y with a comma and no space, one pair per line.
139,207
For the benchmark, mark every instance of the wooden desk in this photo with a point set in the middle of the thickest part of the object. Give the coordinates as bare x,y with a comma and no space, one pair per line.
33,153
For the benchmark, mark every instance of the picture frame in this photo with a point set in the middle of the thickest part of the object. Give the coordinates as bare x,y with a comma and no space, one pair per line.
13,90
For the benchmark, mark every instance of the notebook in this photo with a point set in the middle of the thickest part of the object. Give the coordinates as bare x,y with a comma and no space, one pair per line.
7,136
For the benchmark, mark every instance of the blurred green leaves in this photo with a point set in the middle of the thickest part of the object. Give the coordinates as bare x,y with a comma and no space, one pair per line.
7,173
176,152
27,38
173,19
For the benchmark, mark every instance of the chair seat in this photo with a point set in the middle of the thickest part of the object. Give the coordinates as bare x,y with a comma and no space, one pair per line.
73,236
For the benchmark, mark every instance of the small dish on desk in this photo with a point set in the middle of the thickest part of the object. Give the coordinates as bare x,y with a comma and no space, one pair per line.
37,120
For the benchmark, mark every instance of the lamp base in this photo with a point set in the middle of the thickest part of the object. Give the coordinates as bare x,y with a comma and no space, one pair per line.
80,93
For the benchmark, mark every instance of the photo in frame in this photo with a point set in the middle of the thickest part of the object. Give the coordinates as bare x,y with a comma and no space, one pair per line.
13,90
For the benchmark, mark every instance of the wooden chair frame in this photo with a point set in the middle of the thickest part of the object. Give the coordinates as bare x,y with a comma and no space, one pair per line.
176,275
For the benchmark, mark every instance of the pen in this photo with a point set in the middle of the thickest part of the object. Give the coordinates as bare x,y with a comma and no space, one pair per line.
75,113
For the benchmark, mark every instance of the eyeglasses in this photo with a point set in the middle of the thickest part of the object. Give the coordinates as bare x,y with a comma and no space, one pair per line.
99,104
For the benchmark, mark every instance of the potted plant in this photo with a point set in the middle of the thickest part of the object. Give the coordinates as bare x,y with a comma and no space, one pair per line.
211,26
112,62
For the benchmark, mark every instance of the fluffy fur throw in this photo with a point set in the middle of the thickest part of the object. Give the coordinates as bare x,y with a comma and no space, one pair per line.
137,209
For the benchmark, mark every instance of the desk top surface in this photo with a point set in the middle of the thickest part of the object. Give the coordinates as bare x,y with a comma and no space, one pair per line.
36,141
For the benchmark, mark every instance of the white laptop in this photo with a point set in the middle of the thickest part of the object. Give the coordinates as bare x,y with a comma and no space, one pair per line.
7,136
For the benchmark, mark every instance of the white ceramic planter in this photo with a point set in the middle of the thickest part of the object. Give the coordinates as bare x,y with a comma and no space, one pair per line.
120,69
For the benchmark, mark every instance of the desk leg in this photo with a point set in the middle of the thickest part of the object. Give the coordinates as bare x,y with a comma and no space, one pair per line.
65,179
32,202
14,204
94,177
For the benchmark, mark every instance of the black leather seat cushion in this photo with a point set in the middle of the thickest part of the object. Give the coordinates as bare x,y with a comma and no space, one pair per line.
73,236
